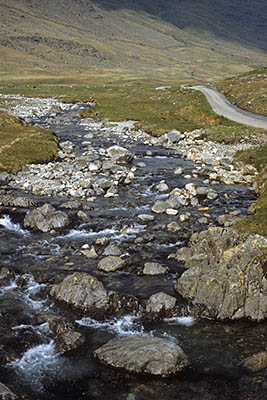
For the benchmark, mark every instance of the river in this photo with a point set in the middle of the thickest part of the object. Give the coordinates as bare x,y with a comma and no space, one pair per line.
30,364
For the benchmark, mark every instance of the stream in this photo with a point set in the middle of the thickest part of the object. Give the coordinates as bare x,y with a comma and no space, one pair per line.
29,363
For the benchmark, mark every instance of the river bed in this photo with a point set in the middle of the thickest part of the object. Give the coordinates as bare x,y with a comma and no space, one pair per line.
30,365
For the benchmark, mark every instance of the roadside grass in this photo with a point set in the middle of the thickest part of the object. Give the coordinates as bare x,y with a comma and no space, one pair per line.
156,111
21,144
247,91
231,133
256,223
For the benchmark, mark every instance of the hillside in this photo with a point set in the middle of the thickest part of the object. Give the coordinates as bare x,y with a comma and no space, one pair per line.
190,39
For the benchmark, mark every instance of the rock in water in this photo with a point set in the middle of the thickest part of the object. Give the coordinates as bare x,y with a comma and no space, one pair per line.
119,154
45,218
159,302
151,355
82,291
154,268
226,276
111,263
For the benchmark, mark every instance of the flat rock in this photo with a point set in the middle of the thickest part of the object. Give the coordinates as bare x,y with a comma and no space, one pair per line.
143,355
154,268
119,154
146,217
111,263
112,250
82,291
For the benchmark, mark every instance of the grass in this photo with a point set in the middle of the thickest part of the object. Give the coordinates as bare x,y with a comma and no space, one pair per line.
248,91
156,111
21,144
120,97
256,223
230,134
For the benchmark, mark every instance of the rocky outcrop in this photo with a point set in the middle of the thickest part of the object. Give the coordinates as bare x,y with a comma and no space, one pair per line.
226,276
143,355
81,291
46,218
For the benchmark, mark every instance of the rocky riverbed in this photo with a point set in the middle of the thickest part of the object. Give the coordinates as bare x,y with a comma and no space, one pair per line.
126,237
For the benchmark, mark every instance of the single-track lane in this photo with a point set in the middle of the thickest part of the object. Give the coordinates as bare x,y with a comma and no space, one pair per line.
222,106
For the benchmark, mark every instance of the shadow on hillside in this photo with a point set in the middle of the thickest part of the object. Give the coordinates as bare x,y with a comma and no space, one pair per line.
242,21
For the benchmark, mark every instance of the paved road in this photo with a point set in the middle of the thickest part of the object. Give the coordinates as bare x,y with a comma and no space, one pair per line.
222,106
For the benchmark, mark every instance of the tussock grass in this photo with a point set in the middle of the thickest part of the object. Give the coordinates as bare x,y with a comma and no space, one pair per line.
231,133
156,111
257,222
21,144
248,91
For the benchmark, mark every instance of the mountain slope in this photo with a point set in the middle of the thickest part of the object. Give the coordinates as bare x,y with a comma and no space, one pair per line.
191,39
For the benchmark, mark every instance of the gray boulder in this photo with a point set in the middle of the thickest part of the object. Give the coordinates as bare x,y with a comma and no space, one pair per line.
82,291
174,136
153,268
143,355
112,250
119,154
159,207
46,218
111,263
226,277
160,302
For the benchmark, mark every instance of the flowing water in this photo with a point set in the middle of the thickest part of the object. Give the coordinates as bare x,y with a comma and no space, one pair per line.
30,364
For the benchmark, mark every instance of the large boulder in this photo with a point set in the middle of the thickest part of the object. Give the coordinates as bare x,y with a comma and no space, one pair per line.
119,154
143,355
226,276
81,291
46,218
